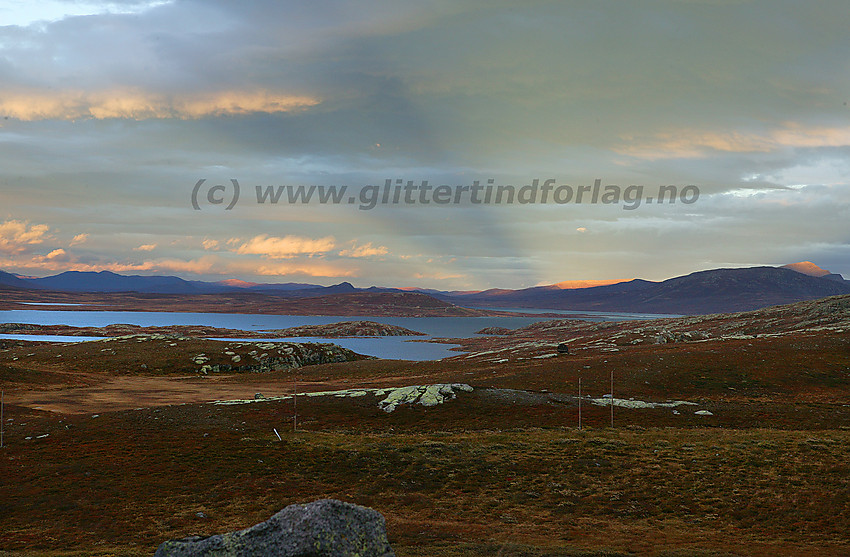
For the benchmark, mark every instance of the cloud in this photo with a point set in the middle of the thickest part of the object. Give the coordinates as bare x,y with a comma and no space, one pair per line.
366,250
79,239
286,247
25,13
146,247
18,236
195,266
440,276
58,260
113,117
687,143
308,269
143,105
57,255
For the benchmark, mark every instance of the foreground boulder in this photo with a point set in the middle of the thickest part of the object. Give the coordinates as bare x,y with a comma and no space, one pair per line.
326,528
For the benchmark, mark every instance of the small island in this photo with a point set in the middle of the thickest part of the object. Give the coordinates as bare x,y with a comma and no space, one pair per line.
347,329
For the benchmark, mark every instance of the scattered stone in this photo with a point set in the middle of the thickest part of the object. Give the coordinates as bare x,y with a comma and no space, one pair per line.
681,336
606,400
326,528
703,413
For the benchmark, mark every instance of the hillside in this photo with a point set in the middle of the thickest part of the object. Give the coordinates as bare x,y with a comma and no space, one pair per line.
398,304
703,292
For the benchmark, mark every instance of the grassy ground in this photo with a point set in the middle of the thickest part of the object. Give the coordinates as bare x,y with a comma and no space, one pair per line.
123,482
500,471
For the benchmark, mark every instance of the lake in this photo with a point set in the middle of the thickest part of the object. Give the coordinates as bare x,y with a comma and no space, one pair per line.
382,347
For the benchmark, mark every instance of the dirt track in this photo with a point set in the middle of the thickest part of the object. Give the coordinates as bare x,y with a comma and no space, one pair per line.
125,393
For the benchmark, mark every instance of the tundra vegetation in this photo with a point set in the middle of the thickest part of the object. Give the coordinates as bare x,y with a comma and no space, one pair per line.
731,437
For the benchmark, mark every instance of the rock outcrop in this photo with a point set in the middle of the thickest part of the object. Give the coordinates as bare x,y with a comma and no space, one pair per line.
263,357
494,331
393,397
426,395
347,329
326,528
18,328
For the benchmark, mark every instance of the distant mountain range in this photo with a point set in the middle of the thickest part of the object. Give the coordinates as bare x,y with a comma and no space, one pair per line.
106,281
712,291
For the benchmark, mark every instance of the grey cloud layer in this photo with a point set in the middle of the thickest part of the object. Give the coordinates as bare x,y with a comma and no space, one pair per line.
726,95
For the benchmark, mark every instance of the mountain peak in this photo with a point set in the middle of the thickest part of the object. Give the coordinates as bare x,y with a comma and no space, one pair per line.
573,284
807,268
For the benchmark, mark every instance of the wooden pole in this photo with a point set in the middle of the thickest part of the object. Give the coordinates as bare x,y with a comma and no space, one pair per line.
579,403
2,420
294,404
612,397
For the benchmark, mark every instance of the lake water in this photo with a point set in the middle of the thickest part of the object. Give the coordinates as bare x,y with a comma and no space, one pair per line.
382,347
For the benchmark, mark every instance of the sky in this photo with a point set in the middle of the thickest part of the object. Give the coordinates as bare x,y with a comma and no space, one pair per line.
111,114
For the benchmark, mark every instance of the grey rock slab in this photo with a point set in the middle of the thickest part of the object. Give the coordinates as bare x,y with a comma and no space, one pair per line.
326,528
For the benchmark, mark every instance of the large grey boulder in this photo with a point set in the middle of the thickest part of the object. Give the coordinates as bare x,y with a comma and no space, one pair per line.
326,528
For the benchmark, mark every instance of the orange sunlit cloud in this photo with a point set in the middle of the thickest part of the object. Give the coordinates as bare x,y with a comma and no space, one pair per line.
59,261
57,256
695,144
286,247
366,250
307,269
79,239
18,236
140,105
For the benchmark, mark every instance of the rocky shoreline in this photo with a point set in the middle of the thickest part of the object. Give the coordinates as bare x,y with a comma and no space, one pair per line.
332,330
